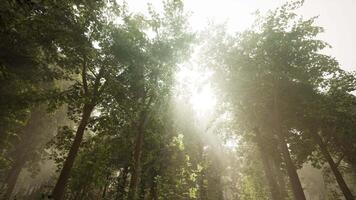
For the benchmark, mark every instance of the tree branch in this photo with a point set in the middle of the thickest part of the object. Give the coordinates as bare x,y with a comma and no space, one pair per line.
84,77
339,160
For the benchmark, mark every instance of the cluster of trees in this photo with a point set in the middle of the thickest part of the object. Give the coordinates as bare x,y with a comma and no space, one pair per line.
88,86
293,102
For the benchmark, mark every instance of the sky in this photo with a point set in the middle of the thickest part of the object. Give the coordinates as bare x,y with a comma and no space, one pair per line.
338,17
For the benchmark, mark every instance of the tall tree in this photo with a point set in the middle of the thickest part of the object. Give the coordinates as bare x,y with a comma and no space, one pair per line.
267,71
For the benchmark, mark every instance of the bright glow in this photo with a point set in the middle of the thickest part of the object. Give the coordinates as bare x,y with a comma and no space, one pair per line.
231,144
192,83
204,100
238,15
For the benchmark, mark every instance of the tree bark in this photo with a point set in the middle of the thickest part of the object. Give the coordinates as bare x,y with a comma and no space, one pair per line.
59,188
292,172
137,157
22,149
142,192
105,186
291,169
13,176
203,193
280,176
272,183
338,176
153,190
120,193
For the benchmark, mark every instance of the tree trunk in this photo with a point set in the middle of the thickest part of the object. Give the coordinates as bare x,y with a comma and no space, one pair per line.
137,158
340,180
83,193
22,150
203,193
153,190
105,186
292,172
272,183
142,192
280,176
279,131
120,193
59,188
13,176
76,195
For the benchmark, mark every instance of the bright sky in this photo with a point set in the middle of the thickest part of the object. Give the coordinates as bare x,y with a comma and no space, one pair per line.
338,17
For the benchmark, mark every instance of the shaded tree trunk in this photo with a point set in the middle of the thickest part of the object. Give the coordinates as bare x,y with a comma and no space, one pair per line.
22,150
272,183
105,186
142,188
203,193
59,188
280,176
76,195
13,176
153,190
292,171
84,191
121,184
338,176
137,157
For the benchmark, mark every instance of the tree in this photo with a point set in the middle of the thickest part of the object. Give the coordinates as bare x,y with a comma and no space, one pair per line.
268,72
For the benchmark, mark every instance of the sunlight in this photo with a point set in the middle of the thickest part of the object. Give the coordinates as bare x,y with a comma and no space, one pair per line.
231,144
237,14
178,99
193,83
204,100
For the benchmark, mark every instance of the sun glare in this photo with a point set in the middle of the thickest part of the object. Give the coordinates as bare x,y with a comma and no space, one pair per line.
203,100
193,83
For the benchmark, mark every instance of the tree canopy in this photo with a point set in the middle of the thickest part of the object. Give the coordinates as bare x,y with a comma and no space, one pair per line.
91,107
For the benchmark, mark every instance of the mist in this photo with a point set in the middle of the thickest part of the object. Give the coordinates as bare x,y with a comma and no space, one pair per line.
177,99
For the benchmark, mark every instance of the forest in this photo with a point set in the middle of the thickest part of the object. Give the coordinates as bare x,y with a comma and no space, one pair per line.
101,102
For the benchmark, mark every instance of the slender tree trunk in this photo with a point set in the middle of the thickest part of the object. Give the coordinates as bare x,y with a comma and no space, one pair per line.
22,149
105,186
272,183
137,158
59,188
142,188
203,193
13,176
153,190
291,169
340,180
120,193
82,195
280,176
134,181
76,196
292,172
